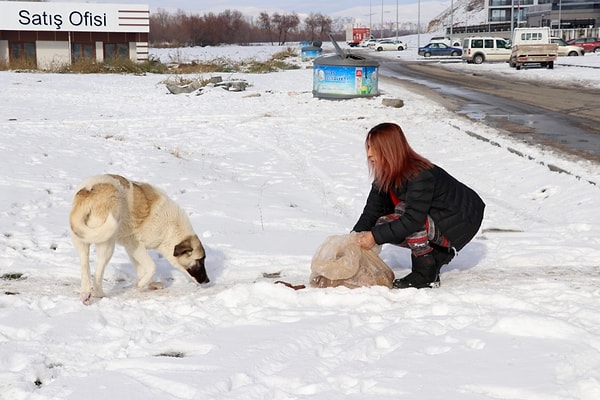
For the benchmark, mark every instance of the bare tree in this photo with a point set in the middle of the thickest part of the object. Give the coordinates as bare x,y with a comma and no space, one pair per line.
230,26
159,24
181,29
264,23
233,24
284,23
317,26
325,23
311,24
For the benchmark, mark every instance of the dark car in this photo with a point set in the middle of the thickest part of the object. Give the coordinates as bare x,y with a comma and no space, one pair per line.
589,44
439,49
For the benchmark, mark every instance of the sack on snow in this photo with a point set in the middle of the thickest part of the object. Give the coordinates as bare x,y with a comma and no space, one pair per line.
340,261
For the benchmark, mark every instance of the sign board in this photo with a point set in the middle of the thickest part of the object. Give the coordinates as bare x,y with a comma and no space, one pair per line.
343,81
74,17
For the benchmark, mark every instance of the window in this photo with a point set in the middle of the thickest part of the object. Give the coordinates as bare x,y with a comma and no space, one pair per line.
531,36
489,43
502,44
82,51
116,50
23,53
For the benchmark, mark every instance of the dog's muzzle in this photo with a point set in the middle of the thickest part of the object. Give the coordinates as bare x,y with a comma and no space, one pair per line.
198,272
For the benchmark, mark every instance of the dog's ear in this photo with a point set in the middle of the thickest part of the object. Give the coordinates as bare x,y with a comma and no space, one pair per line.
182,248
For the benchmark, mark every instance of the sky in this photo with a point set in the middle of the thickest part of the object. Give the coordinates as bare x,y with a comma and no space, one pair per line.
360,10
265,176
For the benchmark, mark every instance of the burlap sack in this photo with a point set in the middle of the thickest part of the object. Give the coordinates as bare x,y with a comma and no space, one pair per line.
340,261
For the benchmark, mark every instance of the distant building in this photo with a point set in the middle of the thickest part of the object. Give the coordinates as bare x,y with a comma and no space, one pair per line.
53,34
570,13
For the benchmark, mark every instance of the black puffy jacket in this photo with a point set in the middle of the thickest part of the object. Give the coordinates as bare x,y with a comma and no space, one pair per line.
454,207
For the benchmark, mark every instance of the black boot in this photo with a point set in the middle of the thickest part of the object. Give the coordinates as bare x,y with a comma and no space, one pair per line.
442,255
425,273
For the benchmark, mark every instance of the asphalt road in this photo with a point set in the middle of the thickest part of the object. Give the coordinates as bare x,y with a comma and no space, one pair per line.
563,118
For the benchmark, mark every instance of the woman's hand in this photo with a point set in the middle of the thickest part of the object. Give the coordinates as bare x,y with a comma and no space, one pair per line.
365,240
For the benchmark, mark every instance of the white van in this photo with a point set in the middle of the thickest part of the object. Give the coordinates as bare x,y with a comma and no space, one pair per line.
477,49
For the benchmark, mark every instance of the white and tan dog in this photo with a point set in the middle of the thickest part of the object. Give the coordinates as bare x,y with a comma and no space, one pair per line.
110,209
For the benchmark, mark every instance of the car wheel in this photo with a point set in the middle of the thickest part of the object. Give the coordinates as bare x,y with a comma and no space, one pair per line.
478,59
597,50
572,54
380,48
454,53
427,54
400,48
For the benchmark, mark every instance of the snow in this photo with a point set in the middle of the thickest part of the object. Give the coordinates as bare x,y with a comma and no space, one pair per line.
265,176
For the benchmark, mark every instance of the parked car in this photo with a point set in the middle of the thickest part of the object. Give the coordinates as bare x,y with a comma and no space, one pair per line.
565,49
477,49
589,44
439,49
390,44
447,40
368,42
372,43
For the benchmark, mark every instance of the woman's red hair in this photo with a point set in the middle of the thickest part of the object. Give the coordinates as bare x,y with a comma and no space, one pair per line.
398,162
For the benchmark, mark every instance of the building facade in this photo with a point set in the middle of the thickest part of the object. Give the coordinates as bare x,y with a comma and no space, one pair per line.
49,35
564,14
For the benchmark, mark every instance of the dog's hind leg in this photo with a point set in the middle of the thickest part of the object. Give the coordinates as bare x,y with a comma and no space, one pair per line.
143,263
104,252
83,249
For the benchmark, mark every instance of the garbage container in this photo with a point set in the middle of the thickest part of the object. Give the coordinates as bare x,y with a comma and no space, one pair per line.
310,52
345,75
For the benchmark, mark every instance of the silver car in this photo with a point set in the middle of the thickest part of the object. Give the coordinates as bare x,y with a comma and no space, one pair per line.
566,49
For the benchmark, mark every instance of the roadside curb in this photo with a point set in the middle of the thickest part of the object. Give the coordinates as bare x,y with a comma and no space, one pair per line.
551,167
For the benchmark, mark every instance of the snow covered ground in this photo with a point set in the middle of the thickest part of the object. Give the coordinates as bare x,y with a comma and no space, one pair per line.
266,175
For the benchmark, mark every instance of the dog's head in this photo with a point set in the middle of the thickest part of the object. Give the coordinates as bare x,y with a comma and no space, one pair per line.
190,256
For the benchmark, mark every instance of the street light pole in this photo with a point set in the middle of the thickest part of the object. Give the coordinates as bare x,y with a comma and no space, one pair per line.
396,19
559,16
419,24
381,33
451,18
370,16
512,18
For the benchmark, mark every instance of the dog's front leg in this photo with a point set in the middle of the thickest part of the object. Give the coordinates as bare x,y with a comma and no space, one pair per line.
143,263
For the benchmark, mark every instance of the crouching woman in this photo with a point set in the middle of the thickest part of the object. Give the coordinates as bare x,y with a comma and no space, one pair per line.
414,203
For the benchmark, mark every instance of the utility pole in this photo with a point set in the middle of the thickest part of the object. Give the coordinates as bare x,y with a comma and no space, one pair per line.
381,33
451,17
512,18
396,19
370,16
419,24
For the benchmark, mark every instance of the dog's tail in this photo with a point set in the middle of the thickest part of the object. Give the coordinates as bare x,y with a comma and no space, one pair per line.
95,215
